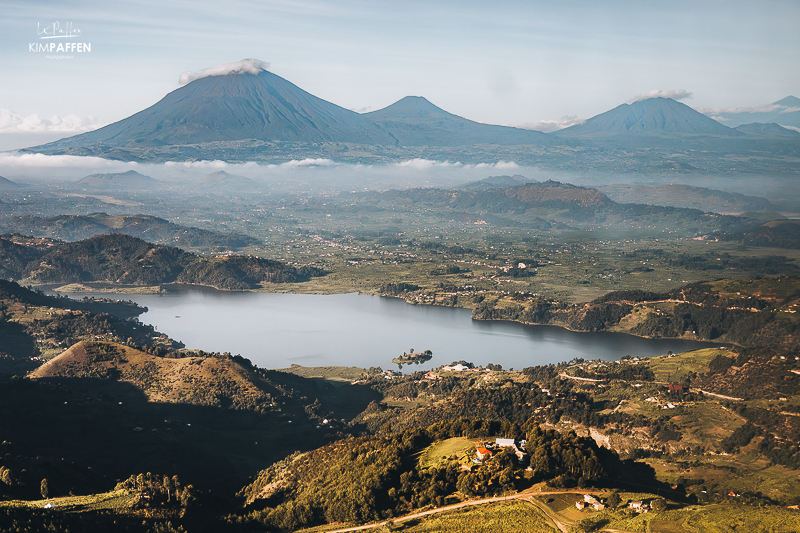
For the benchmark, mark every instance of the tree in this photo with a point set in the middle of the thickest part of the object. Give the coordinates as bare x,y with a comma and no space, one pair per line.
659,504
168,487
44,489
187,496
614,500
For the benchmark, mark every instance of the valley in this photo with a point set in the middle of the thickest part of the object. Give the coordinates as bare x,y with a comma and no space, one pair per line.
546,253
659,247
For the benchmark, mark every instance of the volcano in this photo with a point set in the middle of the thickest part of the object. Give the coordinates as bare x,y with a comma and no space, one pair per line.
654,117
414,121
233,107
244,109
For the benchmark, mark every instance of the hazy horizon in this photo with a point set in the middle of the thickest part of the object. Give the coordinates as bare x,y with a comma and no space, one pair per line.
538,65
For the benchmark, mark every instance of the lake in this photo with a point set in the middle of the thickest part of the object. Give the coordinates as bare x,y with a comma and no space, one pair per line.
277,330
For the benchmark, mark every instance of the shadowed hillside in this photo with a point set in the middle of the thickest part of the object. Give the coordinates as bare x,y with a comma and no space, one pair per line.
123,259
150,228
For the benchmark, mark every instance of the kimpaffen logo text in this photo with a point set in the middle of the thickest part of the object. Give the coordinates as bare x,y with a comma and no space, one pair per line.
50,42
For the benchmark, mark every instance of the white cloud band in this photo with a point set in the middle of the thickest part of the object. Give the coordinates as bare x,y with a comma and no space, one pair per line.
245,66
547,126
675,94
765,108
11,122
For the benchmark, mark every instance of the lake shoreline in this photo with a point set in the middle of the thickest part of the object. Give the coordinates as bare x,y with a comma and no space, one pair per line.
275,330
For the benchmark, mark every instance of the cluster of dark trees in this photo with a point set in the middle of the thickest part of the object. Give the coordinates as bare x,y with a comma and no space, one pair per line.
396,289
510,401
156,490
370,478
28,520
740,438
448,269
779,431
624,372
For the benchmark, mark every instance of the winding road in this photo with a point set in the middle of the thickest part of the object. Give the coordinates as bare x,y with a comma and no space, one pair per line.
519,496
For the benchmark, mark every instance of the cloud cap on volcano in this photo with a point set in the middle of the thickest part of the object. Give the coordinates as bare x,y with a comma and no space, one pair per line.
675,94
245,66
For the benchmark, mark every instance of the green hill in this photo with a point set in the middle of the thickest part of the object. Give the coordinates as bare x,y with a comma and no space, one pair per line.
370,478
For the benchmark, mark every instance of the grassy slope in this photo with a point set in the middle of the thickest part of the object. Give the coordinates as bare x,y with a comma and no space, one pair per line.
189,380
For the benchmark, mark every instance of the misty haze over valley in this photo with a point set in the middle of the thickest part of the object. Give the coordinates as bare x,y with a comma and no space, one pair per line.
433,267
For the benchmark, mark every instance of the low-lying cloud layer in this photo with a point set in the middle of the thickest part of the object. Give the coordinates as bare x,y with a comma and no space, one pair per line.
324,174
765,108
245,66
546,126
11,122
675,94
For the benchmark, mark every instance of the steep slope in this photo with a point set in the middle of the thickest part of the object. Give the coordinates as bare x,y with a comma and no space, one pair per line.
233,107
414,121
8,185
653,117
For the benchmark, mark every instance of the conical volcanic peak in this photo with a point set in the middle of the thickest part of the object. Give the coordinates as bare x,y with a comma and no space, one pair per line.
236,106
410,107
222,181
414,121
789,101
118,180
654,116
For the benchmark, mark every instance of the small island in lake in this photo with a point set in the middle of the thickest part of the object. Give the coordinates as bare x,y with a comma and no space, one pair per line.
413,357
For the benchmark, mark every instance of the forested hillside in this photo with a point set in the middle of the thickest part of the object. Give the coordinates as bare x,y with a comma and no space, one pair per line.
121,259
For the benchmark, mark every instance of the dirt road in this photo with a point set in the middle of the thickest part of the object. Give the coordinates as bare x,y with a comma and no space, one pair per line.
519,496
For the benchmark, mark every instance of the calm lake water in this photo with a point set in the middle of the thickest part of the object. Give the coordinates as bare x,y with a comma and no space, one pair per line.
277,330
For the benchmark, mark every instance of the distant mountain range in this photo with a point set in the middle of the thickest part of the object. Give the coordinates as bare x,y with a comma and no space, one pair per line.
785,112
553,204
150,228
263,117
122,259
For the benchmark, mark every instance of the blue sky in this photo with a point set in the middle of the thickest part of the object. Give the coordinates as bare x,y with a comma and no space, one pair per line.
513,63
